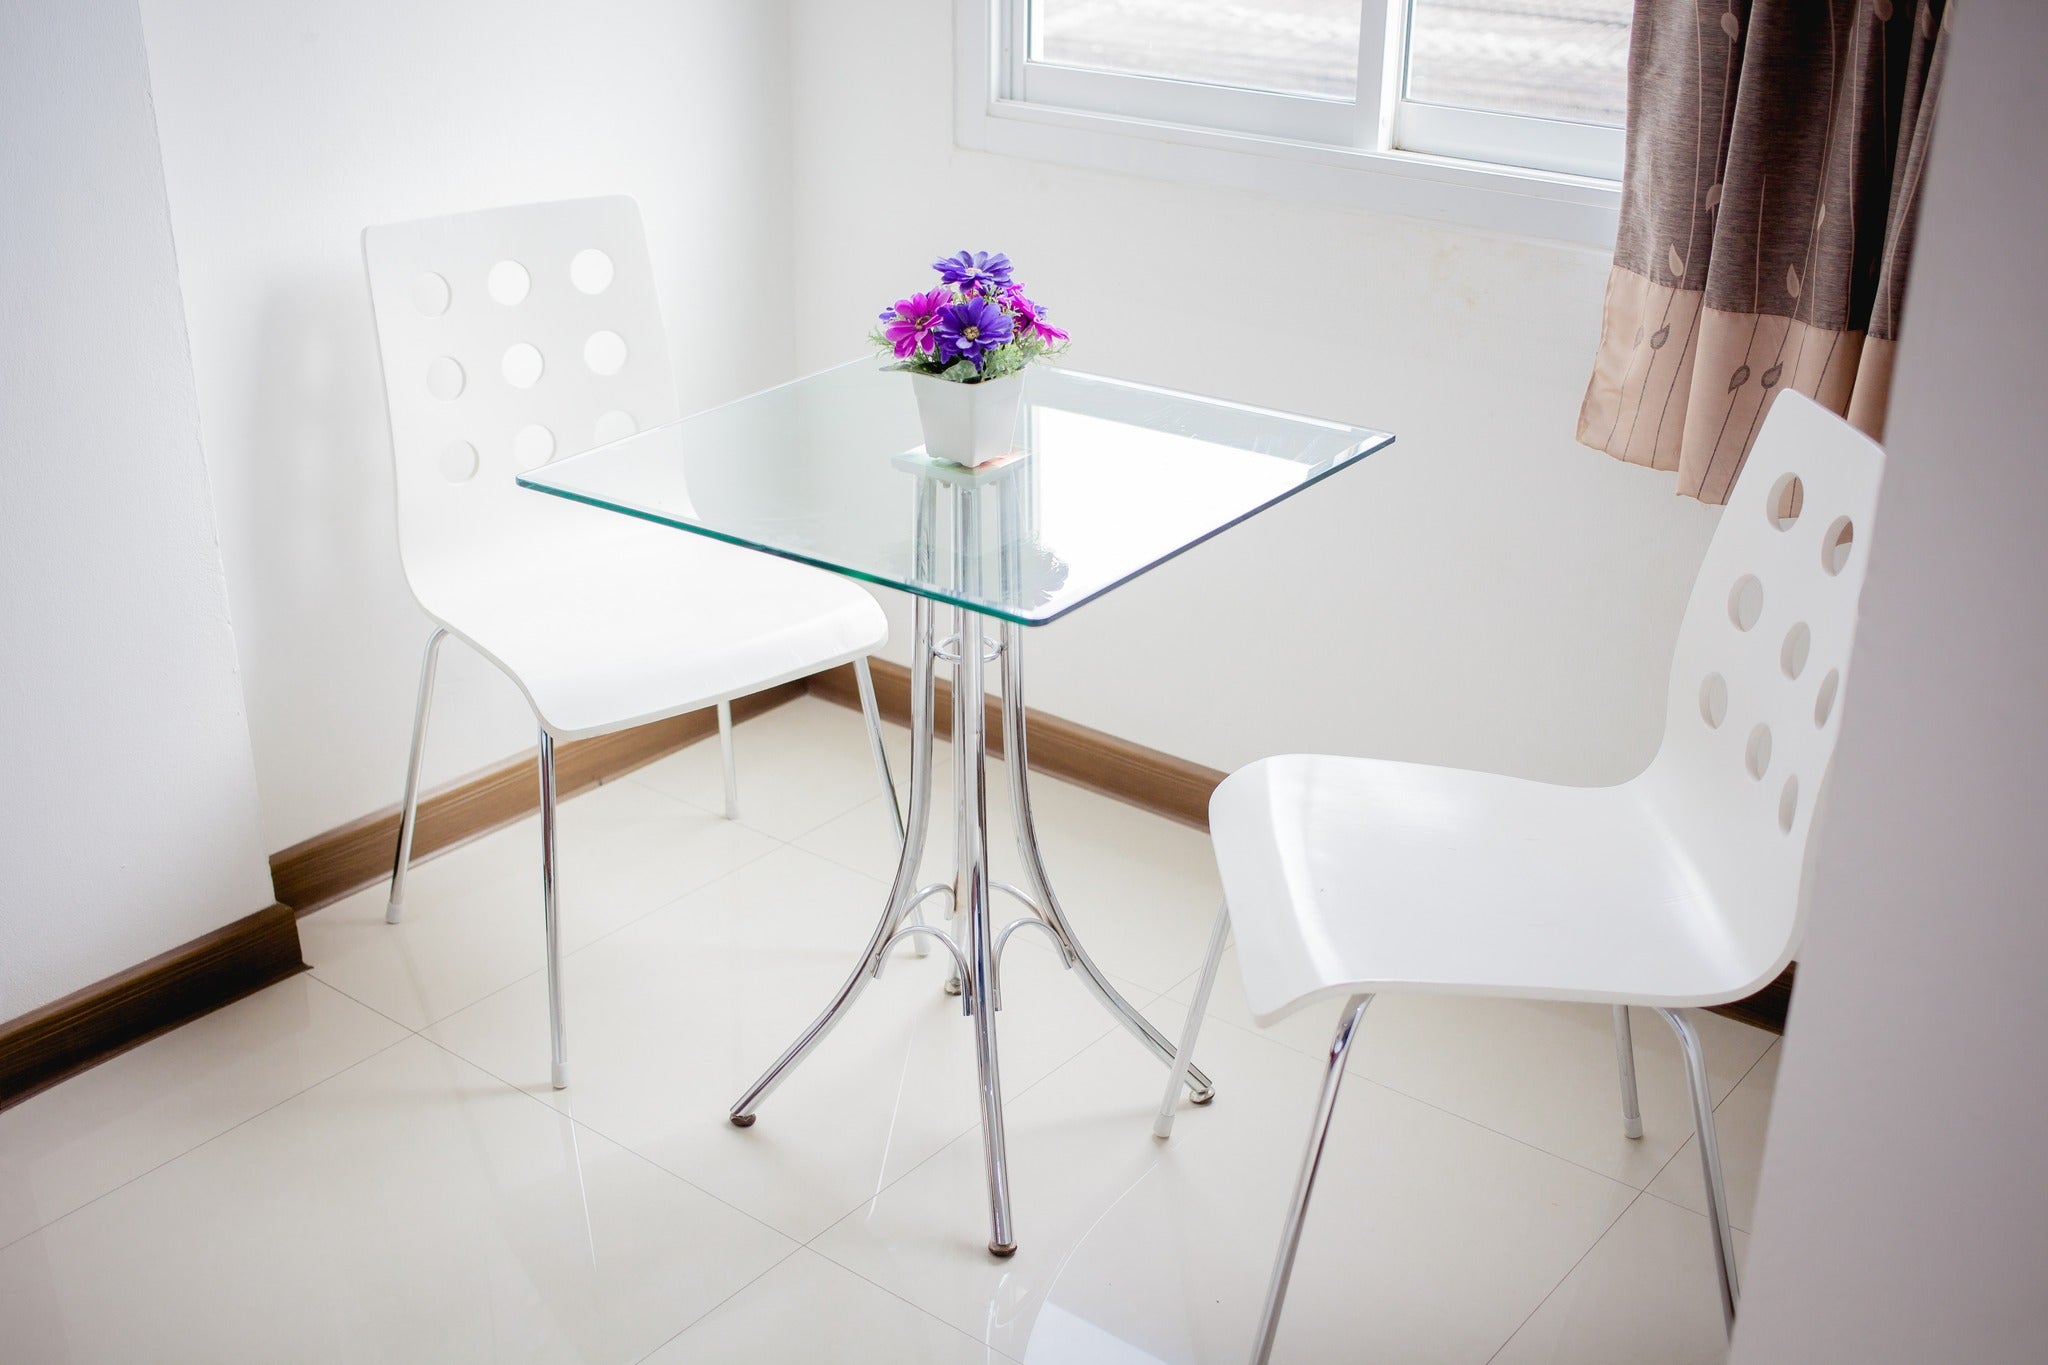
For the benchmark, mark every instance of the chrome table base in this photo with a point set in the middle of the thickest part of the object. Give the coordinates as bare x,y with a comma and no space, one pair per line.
975,942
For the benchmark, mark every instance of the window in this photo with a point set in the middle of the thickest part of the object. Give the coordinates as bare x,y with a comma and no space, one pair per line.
1535,83
1517,97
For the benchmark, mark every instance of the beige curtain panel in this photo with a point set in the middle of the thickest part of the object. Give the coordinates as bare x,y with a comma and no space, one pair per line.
1775,154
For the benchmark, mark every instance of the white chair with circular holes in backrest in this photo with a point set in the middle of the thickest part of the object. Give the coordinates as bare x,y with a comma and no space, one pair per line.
510,337
1684,887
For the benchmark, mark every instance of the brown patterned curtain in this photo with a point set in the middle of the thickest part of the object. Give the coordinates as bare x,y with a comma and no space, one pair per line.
1775,154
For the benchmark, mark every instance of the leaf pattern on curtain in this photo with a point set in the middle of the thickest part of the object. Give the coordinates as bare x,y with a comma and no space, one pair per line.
1775,154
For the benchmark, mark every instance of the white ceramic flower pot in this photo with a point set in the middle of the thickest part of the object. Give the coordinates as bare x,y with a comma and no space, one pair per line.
969,424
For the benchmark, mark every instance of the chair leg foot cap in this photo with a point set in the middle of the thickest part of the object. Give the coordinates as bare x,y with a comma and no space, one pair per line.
1633,1128
1002,1251
1202,1096
393,911
743,1120
558,1075
952,985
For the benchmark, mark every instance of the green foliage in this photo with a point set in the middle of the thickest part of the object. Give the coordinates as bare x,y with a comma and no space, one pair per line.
1000,363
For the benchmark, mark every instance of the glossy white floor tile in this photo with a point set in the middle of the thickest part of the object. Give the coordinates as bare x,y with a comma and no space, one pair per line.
1740,1121
800,765
472,921
808,1311
1535,1070
1431,1238
300,1177
97,1131
410,1208
673,1017
1646,1292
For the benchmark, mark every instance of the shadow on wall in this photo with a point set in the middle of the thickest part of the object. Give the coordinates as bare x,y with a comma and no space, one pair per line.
325,583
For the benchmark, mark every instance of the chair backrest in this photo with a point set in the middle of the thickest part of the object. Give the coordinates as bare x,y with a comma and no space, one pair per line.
510,337
1760,671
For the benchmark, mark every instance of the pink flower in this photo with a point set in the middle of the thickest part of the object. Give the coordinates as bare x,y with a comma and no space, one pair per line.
910,322
1028,318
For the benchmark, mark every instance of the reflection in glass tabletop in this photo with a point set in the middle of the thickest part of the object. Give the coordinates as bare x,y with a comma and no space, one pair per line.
1109,480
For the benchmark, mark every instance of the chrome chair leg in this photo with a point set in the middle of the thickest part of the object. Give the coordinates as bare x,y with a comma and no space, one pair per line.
1625,1060
732,777
408,811
550,893
1162,1126
1304,1185
1710,1160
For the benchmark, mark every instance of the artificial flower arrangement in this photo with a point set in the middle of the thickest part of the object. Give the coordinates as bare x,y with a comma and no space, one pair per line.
966,345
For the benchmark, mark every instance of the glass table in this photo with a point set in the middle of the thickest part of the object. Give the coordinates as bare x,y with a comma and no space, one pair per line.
1109,479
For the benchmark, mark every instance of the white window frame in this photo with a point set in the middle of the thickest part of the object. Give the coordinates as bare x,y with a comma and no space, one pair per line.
1382,152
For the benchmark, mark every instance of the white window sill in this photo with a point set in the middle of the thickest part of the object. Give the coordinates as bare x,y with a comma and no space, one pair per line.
1472,194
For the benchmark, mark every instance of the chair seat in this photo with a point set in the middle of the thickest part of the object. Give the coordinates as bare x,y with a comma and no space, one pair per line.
1347,876
604,632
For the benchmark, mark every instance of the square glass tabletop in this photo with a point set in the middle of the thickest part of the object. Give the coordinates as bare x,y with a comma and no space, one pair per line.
1109,479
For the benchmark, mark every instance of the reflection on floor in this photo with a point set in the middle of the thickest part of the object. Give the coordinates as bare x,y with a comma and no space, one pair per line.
366,1163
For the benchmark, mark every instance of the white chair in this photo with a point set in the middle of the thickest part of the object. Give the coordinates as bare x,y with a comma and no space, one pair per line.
1683,887
509,337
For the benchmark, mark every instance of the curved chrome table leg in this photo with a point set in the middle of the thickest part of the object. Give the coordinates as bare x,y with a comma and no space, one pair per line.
1200,1090
900,892
974,942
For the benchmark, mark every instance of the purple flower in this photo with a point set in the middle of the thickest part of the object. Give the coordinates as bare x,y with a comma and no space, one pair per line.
910,322
1029,320
974,272
970,329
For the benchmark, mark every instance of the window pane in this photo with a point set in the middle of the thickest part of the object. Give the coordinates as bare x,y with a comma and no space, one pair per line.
1554,59
1297,47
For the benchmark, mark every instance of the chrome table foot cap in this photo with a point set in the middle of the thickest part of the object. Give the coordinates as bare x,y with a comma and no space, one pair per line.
1202,1096
743,1120
1002,1251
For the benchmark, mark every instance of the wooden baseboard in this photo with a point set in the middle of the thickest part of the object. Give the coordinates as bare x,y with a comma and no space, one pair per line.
339,861
1146,778
107,1018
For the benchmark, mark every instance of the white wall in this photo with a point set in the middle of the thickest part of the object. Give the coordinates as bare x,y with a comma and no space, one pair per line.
127,800
287,126
1486,593
1903,1213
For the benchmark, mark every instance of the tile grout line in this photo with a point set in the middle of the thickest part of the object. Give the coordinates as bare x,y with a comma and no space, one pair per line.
1008,1098
1448,1113
169,1160
623,1146
313,974
1565,1278
705,1316
1213,1016
612,932
1717,1111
